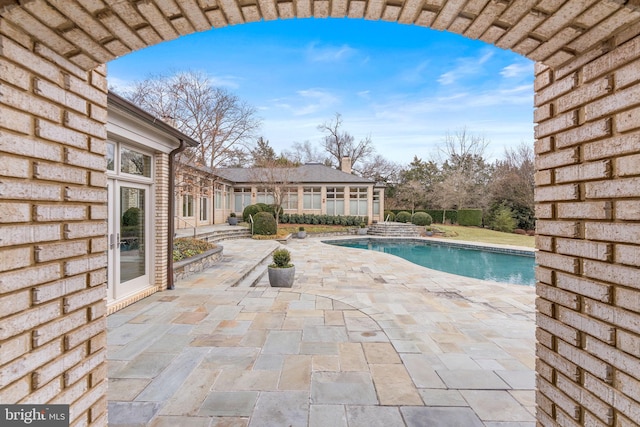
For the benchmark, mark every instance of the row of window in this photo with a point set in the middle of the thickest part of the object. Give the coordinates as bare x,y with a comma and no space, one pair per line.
311,200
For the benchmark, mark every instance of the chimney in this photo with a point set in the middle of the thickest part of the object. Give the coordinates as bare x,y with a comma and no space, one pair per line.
345,164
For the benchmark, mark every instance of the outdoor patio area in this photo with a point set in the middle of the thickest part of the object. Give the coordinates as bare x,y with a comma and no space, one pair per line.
362,339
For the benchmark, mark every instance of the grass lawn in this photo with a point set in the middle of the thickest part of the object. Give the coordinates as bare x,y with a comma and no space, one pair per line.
473,234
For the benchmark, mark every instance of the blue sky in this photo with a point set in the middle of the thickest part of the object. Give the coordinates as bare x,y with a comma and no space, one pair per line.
405,86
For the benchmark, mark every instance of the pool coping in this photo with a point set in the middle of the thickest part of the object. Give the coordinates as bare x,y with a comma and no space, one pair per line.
492,247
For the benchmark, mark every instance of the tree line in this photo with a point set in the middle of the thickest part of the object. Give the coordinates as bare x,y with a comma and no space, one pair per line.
457,176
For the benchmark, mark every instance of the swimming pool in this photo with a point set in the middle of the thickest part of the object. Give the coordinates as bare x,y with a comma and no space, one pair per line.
500,265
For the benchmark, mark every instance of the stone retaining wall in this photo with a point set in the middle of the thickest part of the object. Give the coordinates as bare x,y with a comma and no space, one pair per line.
196,264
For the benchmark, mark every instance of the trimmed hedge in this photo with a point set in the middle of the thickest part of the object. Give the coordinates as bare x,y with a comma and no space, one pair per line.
389,214
403,216
250,210
264,223
421,218
313,219
470,217
436,214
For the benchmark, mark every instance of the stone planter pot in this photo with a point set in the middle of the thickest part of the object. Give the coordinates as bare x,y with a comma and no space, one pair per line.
363,231
302,234
233,220
281,277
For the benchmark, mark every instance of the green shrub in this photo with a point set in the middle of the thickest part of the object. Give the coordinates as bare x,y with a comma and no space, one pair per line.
503,220
390,215
250,210
185,247
403,216
281,259
266,208
421,218
470,217
131,217
436,214
264,223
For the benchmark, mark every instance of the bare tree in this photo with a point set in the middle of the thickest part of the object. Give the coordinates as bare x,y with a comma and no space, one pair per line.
219,120
465,171
276,181
379,168
305,152
339,143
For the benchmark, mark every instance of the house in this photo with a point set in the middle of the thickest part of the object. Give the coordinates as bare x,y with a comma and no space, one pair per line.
140,157
206,196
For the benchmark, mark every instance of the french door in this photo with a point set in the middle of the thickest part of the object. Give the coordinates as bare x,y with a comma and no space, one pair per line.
129,269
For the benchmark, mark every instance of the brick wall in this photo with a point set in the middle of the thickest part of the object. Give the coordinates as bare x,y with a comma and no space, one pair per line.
53,227
588,195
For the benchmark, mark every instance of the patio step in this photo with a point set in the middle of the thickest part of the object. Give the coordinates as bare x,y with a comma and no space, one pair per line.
395,229
255,273
224,234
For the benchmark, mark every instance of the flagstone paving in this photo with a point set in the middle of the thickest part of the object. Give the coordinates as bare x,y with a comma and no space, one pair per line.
361,339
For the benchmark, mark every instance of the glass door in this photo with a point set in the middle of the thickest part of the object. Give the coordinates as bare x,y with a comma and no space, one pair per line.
129,269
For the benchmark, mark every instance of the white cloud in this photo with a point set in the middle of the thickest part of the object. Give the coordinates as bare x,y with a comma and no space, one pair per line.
465,67
517,70
316,53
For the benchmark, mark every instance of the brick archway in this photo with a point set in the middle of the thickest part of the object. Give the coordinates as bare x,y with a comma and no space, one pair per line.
52,138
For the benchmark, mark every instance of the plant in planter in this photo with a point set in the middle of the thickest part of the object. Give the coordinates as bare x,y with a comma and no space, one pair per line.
281,272
301,233
363,230
233,220
429,231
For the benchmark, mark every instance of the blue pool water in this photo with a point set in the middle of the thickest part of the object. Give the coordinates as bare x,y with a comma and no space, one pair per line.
480,264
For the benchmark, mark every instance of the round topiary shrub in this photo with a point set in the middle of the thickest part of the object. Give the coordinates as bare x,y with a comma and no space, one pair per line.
250,210
264,224
131,217
421,218
403,216
389,216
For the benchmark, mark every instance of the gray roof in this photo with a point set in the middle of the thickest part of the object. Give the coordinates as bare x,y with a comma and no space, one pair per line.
308,173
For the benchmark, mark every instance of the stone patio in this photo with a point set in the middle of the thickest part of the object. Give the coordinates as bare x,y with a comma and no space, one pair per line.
362,339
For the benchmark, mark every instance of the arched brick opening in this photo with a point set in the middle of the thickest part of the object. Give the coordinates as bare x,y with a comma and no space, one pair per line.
52,182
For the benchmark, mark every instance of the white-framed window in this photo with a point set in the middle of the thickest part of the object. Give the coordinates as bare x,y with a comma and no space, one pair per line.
311,198
242,198
335,200
376,202
187,205
129,162
264,196
358,201
217,196
204,208
290,199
